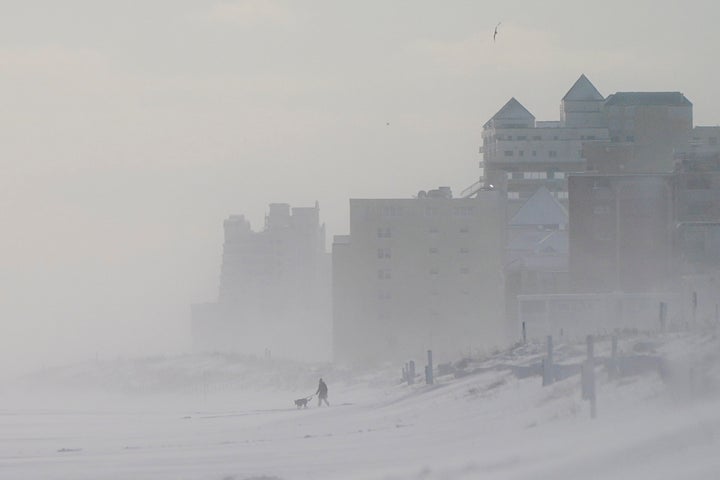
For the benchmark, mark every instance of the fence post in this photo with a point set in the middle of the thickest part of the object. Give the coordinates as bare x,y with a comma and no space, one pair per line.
548,367
613,359
524,332
588,381
663,316
411,372
429,369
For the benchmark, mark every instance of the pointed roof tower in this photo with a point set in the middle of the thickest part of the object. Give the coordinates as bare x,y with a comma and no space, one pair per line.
512,115
582,90
540,209
582,106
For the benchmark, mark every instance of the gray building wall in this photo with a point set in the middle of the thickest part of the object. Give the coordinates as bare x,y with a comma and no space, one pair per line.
621,232
417,274
274,288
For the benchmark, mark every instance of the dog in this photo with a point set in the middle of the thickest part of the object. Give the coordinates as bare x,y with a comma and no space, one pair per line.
302,402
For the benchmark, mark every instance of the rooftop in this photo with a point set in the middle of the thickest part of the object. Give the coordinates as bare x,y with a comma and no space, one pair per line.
676,99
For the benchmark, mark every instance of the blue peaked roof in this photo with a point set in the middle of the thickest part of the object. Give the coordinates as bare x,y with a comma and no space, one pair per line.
540,209
512,111
583,90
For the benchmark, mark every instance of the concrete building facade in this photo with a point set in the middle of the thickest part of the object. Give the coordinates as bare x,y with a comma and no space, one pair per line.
274,287
520,154
621,237
627,132
419,273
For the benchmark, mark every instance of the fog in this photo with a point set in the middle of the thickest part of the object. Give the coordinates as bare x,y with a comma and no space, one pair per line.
129,131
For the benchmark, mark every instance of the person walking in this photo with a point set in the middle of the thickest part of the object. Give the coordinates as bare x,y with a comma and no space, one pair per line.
322,393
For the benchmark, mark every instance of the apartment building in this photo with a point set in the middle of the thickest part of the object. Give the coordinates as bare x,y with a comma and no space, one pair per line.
521,154
274,287
419,273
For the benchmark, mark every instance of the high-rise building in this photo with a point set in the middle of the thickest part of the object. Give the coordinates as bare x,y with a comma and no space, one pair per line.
627,132
648,131
274,287
621,232
520,154
419,273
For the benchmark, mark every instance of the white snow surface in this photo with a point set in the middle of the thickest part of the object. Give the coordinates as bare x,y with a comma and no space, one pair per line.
233,418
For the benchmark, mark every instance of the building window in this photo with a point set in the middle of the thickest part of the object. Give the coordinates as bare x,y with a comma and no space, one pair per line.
513,195
464,229
521,153
508,175
384,295
431,211
555,137
465,270
391,211
383,253
433,250
384,274
517,175
712,141
537,137
534,153
630,138
464,251
509,153
552,154
464,211
535,175
385,232
602,210
522,137
433,230
509,137
434,271
562,195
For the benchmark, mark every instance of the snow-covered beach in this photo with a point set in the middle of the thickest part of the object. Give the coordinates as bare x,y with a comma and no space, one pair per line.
125,419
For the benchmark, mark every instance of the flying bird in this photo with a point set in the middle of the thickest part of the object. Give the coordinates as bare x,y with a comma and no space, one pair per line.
496,31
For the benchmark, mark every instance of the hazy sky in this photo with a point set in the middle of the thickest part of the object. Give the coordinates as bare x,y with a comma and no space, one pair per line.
130,129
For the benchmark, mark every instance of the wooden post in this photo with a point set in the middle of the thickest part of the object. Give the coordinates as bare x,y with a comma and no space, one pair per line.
429,369
614,359
663,316
524,332
591,375
411,372
548,368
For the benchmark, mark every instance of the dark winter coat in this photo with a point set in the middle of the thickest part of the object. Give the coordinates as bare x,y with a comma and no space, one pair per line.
322,390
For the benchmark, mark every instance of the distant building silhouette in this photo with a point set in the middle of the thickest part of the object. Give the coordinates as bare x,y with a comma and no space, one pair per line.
639,182
274,288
